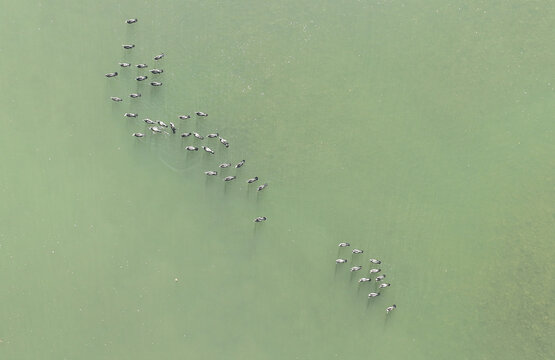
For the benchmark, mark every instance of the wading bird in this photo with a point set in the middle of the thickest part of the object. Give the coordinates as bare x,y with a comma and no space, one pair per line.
262,187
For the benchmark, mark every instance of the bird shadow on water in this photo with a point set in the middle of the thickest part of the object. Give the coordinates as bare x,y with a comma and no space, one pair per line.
256,236
368,302
359,288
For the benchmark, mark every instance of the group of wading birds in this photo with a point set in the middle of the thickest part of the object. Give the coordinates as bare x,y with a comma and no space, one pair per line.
159,126
372,271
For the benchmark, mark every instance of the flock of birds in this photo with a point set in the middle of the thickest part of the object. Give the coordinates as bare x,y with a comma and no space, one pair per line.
158,127
373,271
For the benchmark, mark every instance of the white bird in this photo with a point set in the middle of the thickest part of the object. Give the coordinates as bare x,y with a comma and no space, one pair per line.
156,83
155,129
185,135
124,64
158,57
357,251
241,163
262,187
208,150
340,261
250,181
112,74
225,165
229,178
131,115
211,173
161,123
374,261
156,71
184,117
200,113
356,268
172,126
141,78
384,285
373,294
131,21
141,66
139,135
128,46
344,244
390,308
192,148
260,219
374,271
364,280
116,99
380,278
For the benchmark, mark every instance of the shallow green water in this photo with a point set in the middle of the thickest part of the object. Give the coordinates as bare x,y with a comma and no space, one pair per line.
420,132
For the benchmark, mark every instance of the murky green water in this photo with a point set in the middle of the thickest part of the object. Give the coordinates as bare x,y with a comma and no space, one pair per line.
421,132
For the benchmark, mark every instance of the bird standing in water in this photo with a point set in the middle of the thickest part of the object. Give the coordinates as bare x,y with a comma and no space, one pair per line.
262,187
208,150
